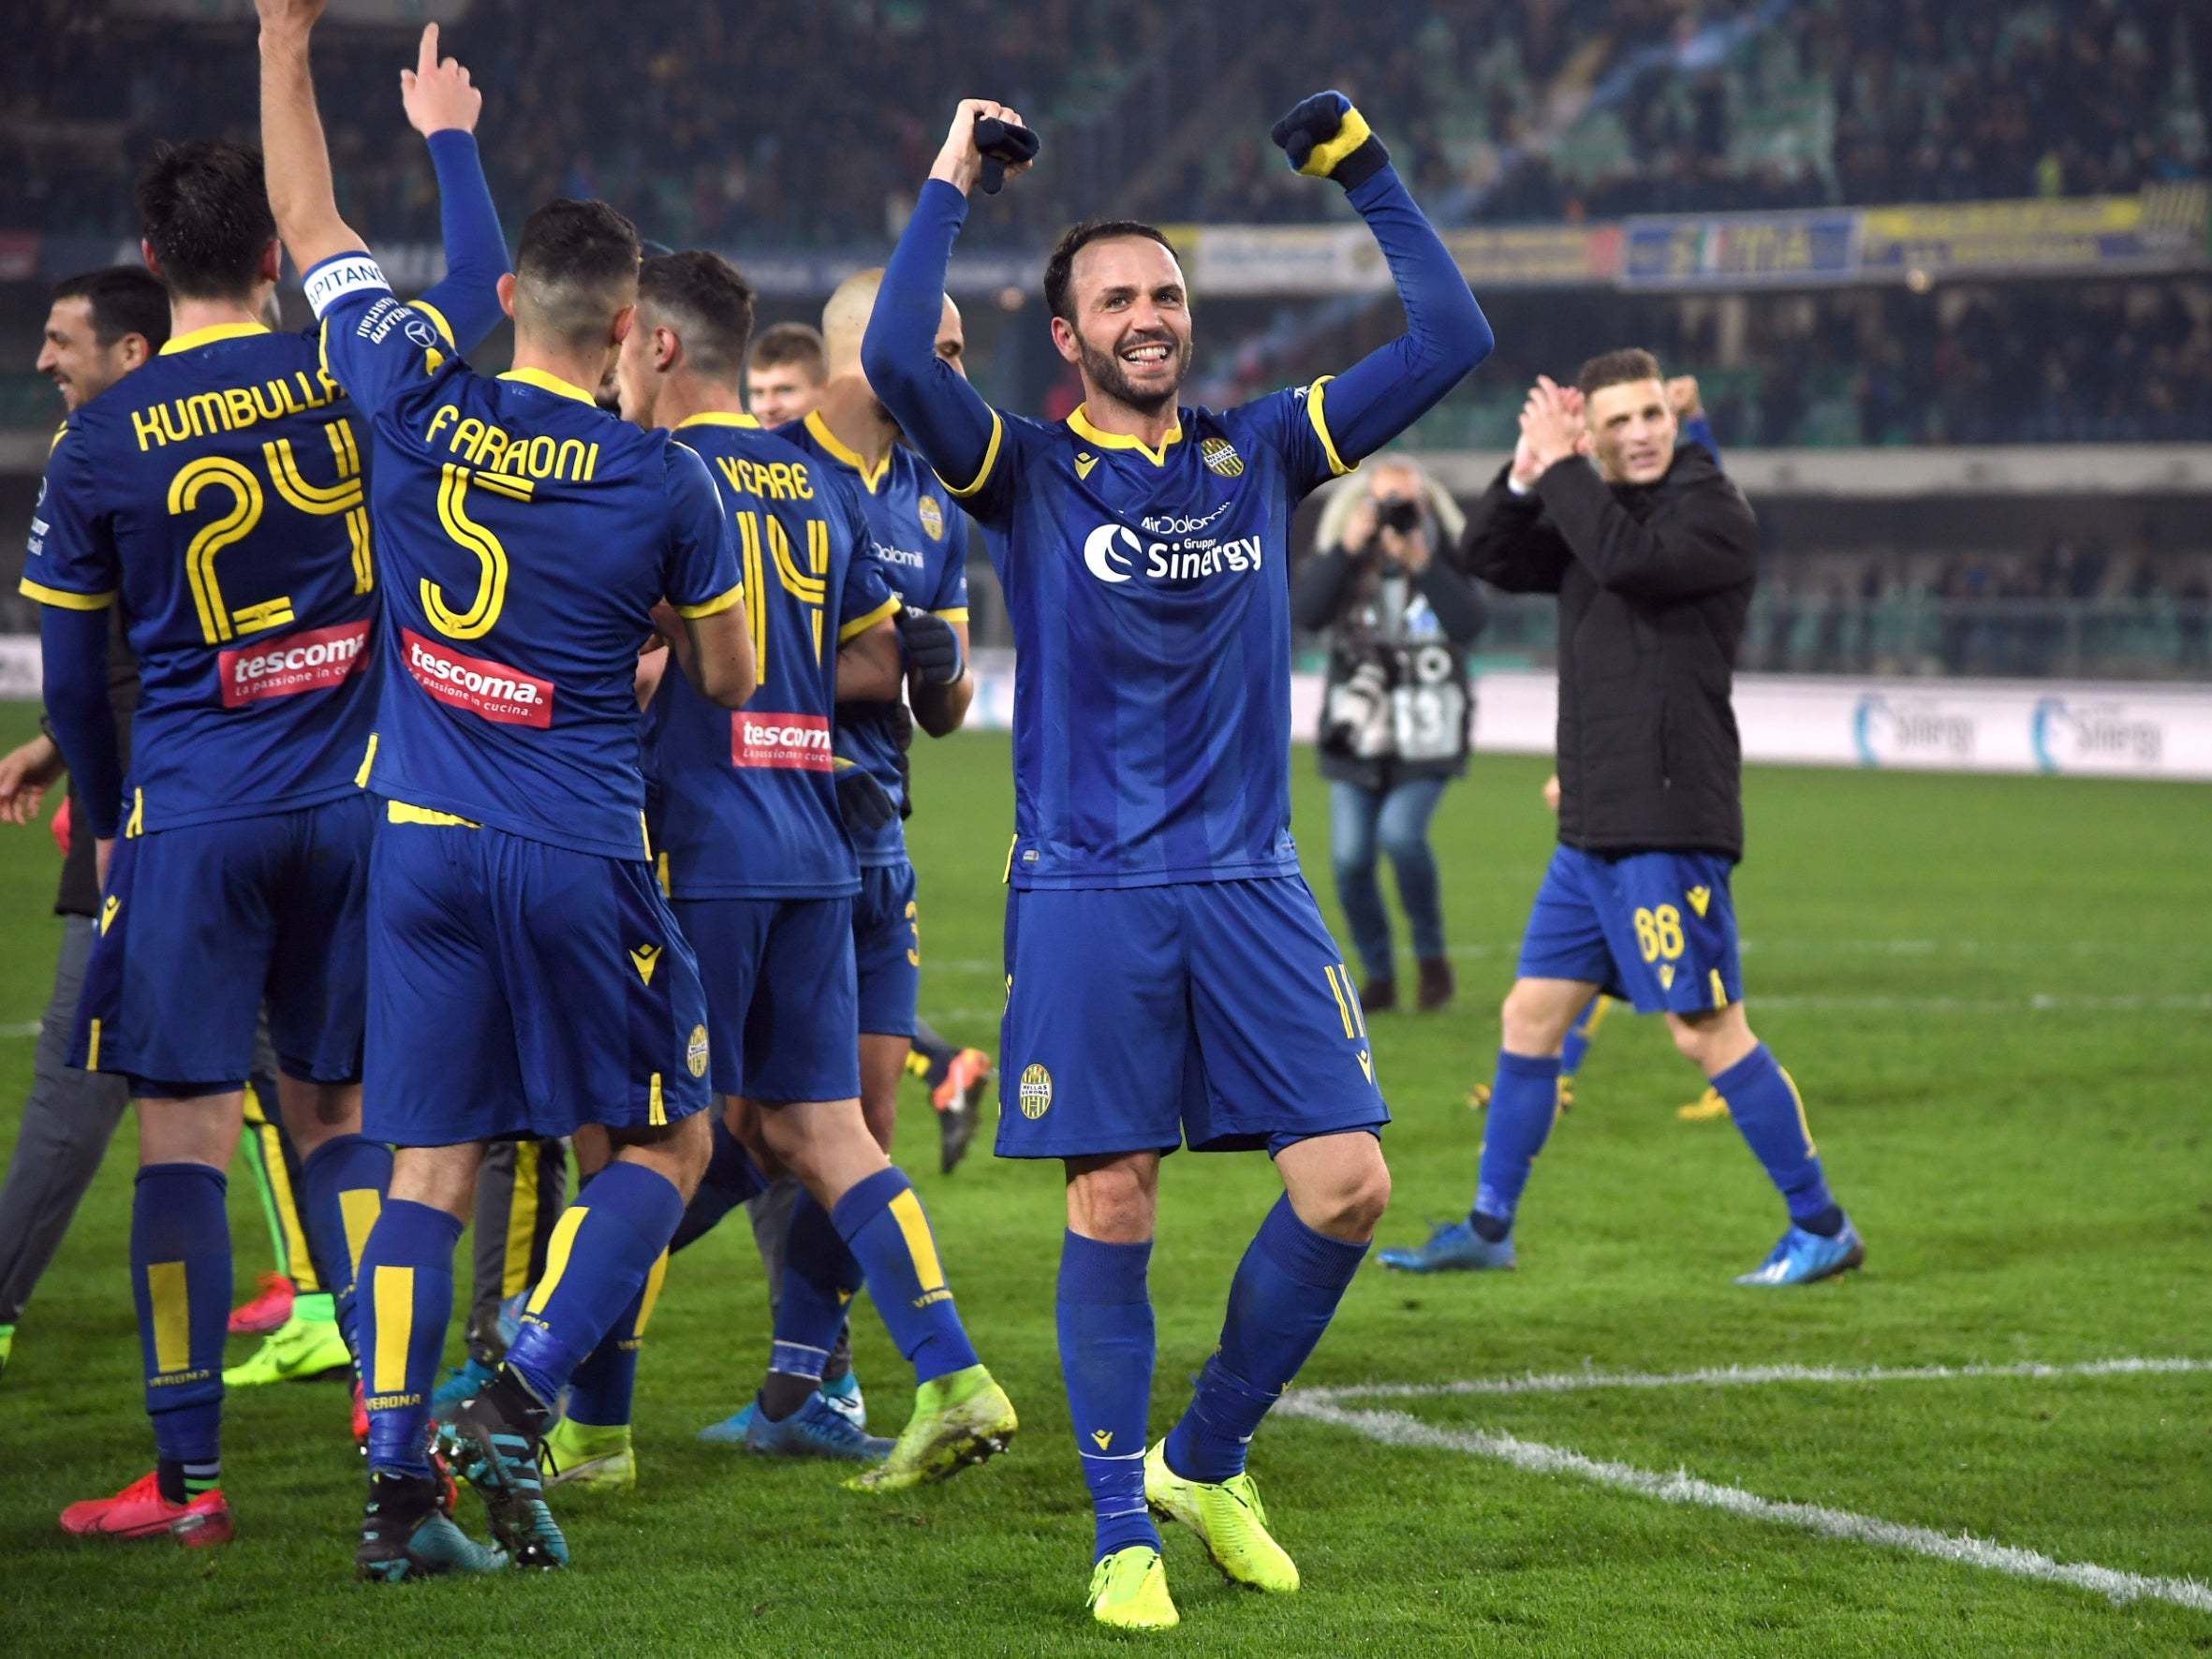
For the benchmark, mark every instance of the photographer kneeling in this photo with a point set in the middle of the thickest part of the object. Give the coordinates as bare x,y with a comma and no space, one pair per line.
1395,714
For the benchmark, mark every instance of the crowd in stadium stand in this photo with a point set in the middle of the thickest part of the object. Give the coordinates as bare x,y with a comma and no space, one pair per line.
809,120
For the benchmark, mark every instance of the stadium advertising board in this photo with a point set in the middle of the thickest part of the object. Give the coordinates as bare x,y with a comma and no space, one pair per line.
1740,250
1965,725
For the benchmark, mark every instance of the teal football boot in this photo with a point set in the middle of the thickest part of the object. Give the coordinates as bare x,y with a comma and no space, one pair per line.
1454,1247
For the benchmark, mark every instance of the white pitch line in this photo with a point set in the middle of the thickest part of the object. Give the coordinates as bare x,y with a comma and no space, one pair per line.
1393,1428
1725,1376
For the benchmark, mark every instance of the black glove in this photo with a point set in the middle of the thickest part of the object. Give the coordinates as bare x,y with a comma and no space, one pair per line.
1001,144
1327,138
863,803
933,648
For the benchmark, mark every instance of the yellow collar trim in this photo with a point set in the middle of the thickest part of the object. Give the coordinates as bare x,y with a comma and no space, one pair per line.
209,336
553,383
839,452
717,418
1079,424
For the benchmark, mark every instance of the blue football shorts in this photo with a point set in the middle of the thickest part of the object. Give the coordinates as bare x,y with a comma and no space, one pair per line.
200,924
1654,929
782,1010
1219,1014
887,946
522,989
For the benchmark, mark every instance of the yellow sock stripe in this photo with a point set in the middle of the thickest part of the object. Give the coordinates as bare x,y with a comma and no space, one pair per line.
1602,1005
1804,1127
358,1208
395,1330
1352,996
556,1255
522,1219
1337,991
301,1261
914,1227
172,1316
651,1294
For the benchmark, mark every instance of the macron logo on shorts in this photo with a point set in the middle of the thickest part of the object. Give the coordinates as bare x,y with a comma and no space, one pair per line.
493,691
306,661
790,742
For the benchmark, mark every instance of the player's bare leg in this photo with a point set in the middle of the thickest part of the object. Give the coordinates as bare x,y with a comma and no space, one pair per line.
883,1061
961,1416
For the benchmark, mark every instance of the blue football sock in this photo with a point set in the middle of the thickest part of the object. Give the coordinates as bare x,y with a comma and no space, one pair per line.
731,1178
821,1277
881,1222
1284,1295
1524,1100
1578,1037
342,1189
407,1275
180,1271
601,1390
1764,1104
602,1251
1106,1356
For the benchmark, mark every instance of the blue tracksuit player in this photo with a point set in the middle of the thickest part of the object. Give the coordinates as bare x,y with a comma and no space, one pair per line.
1170,978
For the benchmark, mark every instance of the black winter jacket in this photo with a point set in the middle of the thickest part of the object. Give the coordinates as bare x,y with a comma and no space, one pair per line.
1654,583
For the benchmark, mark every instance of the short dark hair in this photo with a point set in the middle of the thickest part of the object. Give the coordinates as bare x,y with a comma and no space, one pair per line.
124,300
1617,368
575,266
792,343
204,211
711,305
1073,240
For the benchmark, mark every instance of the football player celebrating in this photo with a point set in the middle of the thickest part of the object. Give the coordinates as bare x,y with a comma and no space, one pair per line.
1169,974
217,498
525,976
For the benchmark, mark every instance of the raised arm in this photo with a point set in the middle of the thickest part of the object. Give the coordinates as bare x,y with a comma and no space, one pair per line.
947,419
293,152
1446,333
443,106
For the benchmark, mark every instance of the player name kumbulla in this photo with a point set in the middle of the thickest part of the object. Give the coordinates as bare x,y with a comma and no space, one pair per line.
205,413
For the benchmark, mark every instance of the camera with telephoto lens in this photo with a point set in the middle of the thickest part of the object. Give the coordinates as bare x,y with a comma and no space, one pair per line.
1358,720
1397,512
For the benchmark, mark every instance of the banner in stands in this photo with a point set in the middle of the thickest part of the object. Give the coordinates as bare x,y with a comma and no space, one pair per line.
2082,234
1740,250
1994,726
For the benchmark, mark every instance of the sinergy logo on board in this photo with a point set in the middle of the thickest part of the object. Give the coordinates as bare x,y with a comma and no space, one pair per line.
1885,730
2065,735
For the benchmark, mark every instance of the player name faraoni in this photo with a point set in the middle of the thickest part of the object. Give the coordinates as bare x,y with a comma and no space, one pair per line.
492,449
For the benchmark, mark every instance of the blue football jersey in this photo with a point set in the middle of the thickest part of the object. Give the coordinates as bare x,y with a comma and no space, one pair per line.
216,494
922,539
525,536
748,796
1150,596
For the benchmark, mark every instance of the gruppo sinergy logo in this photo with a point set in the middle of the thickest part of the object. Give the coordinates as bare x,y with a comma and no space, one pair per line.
2065,734
1885,730
1115,553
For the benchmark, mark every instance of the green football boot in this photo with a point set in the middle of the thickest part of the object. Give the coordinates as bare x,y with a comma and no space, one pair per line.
1229,1519
960,1418
1129,1590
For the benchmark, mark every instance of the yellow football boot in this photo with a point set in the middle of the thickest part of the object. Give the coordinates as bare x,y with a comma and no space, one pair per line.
1129,1590
1229,1519
960,1418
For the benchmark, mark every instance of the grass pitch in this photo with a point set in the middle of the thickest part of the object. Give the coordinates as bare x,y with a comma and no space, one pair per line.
1996,996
